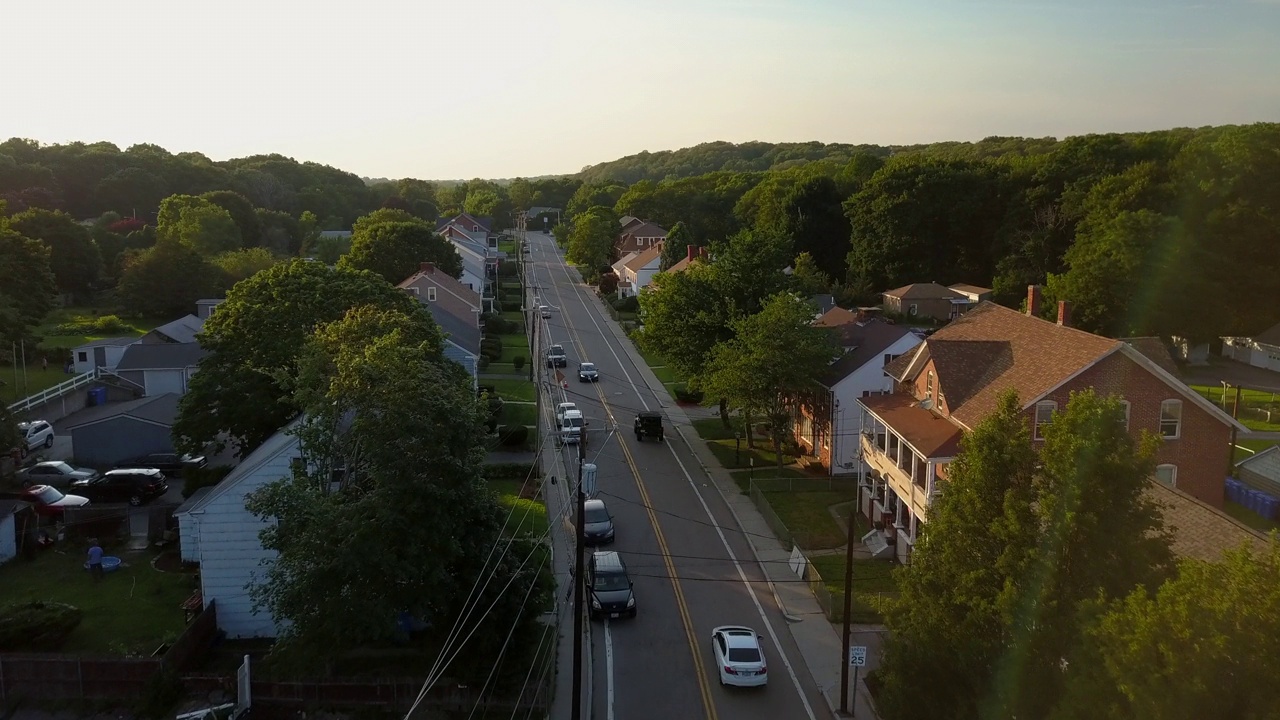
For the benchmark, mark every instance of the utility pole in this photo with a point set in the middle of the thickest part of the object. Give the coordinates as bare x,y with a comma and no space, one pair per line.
848,610
579,582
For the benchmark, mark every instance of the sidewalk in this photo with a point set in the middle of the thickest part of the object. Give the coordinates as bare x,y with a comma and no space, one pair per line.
819,641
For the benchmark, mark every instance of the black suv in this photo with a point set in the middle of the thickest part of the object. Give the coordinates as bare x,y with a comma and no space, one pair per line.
134,486
171,463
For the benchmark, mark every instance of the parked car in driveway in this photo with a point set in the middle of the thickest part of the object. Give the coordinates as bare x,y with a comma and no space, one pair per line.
50,501
134,486
54,473
739,657
168,463
34,434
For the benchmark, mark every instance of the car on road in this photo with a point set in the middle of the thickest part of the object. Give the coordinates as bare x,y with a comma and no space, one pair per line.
545,312
739,656
587,372
168,463
597,525
134,486
34,434
54,473
50,501
612,595
648,424
556,357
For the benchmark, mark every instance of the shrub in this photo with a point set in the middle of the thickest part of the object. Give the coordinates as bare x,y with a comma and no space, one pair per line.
497,324
631,303
508,269
608,284
685,395
105,325
482,362
511,471
491,347
517,362
513,435
193,480
37,626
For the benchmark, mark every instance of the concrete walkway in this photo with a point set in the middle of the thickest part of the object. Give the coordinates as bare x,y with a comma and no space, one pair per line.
818,640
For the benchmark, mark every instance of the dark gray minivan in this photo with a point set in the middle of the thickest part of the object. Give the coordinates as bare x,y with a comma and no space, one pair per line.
611,592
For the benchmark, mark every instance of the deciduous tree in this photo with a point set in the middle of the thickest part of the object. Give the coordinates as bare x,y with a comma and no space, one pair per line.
254,340
199,224
771,363
242,212
240,264
394,250
27,286
592,237
676,247
165,281
73,254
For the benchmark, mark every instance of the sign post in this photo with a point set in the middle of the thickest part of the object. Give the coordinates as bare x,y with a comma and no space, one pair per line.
857,660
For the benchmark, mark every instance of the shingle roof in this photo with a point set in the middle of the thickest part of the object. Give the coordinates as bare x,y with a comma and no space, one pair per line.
1270,336
109,342
161,356
443,282
966,288
274,445
931,435
836,317
923,291
1200,531
157,409
182,330
991,349
1154,349
462,331
824,302
643,258
869,340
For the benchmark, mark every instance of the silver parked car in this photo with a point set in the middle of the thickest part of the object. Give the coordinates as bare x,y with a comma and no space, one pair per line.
54,473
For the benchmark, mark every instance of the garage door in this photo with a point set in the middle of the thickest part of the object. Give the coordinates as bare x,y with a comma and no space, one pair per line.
159,382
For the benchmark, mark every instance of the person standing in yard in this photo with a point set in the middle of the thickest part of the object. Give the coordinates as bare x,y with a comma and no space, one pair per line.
95,561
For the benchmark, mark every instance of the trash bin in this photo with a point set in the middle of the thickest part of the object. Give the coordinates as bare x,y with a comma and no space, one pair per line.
97,396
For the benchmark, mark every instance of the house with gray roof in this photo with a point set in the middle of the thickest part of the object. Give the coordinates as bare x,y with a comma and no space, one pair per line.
159,368
828,430
1261,350
104,435
182,330
455,308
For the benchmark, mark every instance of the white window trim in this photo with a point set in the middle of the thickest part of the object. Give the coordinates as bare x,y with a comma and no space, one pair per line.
1053,407
1128,407
1173,477
913,309
928,387
431,294
1177,431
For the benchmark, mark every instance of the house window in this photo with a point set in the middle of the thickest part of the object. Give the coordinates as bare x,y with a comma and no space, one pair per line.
1171,419
431,294
1126,406
912,309
928,388
1044,416
1167,475
889,357
298,465
82,356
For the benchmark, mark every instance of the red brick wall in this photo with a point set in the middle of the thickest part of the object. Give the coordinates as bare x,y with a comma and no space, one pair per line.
1201,452
819,424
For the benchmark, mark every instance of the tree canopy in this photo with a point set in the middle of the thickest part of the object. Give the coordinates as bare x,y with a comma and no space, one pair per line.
73,254
592,237
394,250
166,280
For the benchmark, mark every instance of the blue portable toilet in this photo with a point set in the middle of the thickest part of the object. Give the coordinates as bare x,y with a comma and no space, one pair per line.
1233,490
1269,507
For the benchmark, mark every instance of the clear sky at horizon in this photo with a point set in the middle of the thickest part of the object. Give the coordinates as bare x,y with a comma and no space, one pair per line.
504,88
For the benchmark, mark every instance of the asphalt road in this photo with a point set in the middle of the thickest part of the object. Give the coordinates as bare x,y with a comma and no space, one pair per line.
691,566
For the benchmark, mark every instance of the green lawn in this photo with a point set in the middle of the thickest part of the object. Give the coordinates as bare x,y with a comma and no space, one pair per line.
66,315
134,609
518,342
873,586
1259,410
666,375
807,515
713,429
513,414
507,246
515,316
530,516
788,479
1249,517
13,389
1248,448
503,368
512,389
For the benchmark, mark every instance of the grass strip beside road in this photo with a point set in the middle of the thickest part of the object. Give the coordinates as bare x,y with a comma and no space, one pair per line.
807,515
529,518
873,586
509,389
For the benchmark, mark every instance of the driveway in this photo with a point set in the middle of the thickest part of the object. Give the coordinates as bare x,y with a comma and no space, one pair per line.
1221,370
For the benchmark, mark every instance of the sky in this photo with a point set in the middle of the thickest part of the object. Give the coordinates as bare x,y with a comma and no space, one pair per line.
505,88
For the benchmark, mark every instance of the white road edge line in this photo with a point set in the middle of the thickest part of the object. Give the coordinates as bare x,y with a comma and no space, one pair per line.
795,680
608,665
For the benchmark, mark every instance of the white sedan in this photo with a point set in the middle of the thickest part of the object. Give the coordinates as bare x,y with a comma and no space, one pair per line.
739,657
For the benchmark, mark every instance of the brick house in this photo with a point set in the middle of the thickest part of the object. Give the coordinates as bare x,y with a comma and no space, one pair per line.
953,381
828,430
637,236
927,300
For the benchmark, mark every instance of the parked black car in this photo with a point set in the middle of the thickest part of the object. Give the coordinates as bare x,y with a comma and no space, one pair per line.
134,486
169,463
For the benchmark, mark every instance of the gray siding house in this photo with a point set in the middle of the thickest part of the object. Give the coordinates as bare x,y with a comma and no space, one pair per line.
225,536
107,434
159,368
456,309
104,353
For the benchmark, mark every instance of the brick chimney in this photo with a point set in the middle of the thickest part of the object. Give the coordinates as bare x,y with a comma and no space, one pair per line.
1033,300
1064,313
427,267
692,251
